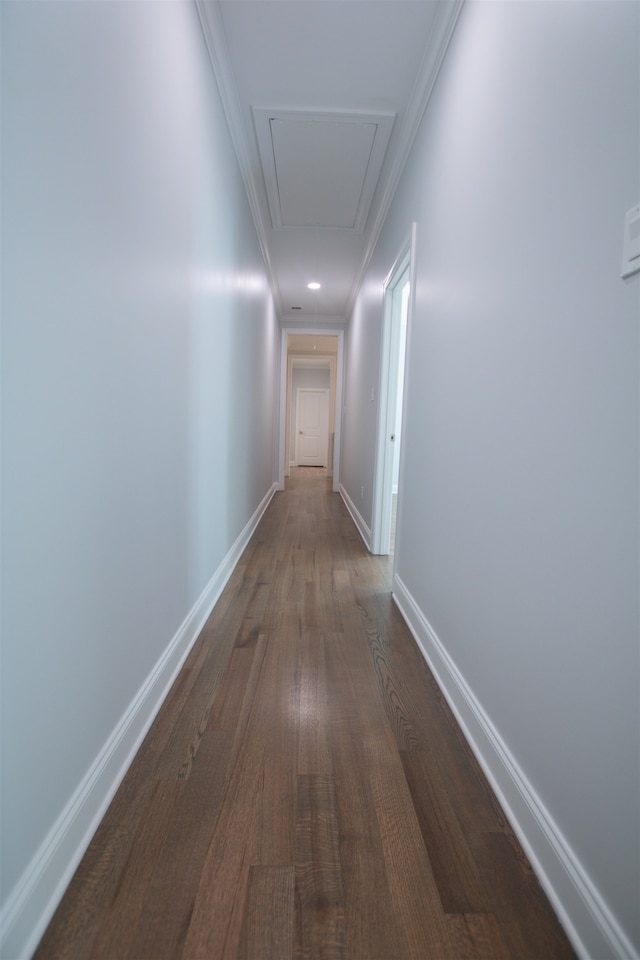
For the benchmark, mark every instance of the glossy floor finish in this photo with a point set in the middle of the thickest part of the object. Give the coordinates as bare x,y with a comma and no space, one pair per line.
304,791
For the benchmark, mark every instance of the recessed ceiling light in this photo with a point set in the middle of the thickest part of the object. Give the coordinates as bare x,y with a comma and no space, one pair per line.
313,286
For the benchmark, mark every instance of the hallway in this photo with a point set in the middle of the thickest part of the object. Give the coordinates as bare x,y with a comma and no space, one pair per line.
304,791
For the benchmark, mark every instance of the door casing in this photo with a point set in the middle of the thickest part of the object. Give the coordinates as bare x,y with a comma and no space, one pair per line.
335,454
403,266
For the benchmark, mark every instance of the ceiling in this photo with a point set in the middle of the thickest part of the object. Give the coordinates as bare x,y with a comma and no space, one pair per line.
323,99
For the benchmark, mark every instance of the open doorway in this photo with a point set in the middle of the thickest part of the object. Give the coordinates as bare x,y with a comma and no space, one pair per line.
311,361
396,307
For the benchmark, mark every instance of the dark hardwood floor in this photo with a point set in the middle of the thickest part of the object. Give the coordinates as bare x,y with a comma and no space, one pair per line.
305,791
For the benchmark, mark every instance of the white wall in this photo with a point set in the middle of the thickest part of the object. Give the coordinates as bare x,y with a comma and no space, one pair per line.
517,557
139,365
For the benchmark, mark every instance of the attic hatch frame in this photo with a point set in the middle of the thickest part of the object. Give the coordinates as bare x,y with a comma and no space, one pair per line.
285,169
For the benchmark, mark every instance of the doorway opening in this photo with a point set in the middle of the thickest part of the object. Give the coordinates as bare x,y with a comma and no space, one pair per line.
310,360
387,486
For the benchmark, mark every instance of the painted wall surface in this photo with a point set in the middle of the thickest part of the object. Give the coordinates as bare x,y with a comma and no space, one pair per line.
519,534
139,365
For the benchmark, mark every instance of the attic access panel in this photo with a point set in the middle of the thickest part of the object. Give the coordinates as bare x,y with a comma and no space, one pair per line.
321,169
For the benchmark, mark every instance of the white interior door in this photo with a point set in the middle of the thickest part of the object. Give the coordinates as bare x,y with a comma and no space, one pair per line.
312,425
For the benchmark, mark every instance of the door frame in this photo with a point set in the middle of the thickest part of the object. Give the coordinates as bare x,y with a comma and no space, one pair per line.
282,430
315,361
383,473
299,391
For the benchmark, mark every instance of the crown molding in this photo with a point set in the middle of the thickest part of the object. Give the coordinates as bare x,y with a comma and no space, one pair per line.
211,21
439,39
212,26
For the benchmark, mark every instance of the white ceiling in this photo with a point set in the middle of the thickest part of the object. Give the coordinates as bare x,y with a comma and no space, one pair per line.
323,99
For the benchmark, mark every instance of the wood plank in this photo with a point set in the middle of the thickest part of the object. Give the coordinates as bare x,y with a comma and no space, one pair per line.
214,926
225,713
150,920
454,868
274,724
372,925
413,889
119,923
477,936
256,825
189,726
320,923
77,918
311,708
268,922
419,713
527,922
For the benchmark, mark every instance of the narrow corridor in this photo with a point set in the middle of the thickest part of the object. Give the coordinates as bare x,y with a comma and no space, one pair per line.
305,791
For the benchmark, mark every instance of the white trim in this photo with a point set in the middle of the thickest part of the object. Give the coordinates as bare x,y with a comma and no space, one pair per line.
588,921
362,527
212,27
404,265
35,897
437,44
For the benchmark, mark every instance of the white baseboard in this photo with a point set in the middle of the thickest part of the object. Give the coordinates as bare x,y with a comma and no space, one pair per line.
31,905
363,529
586,918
